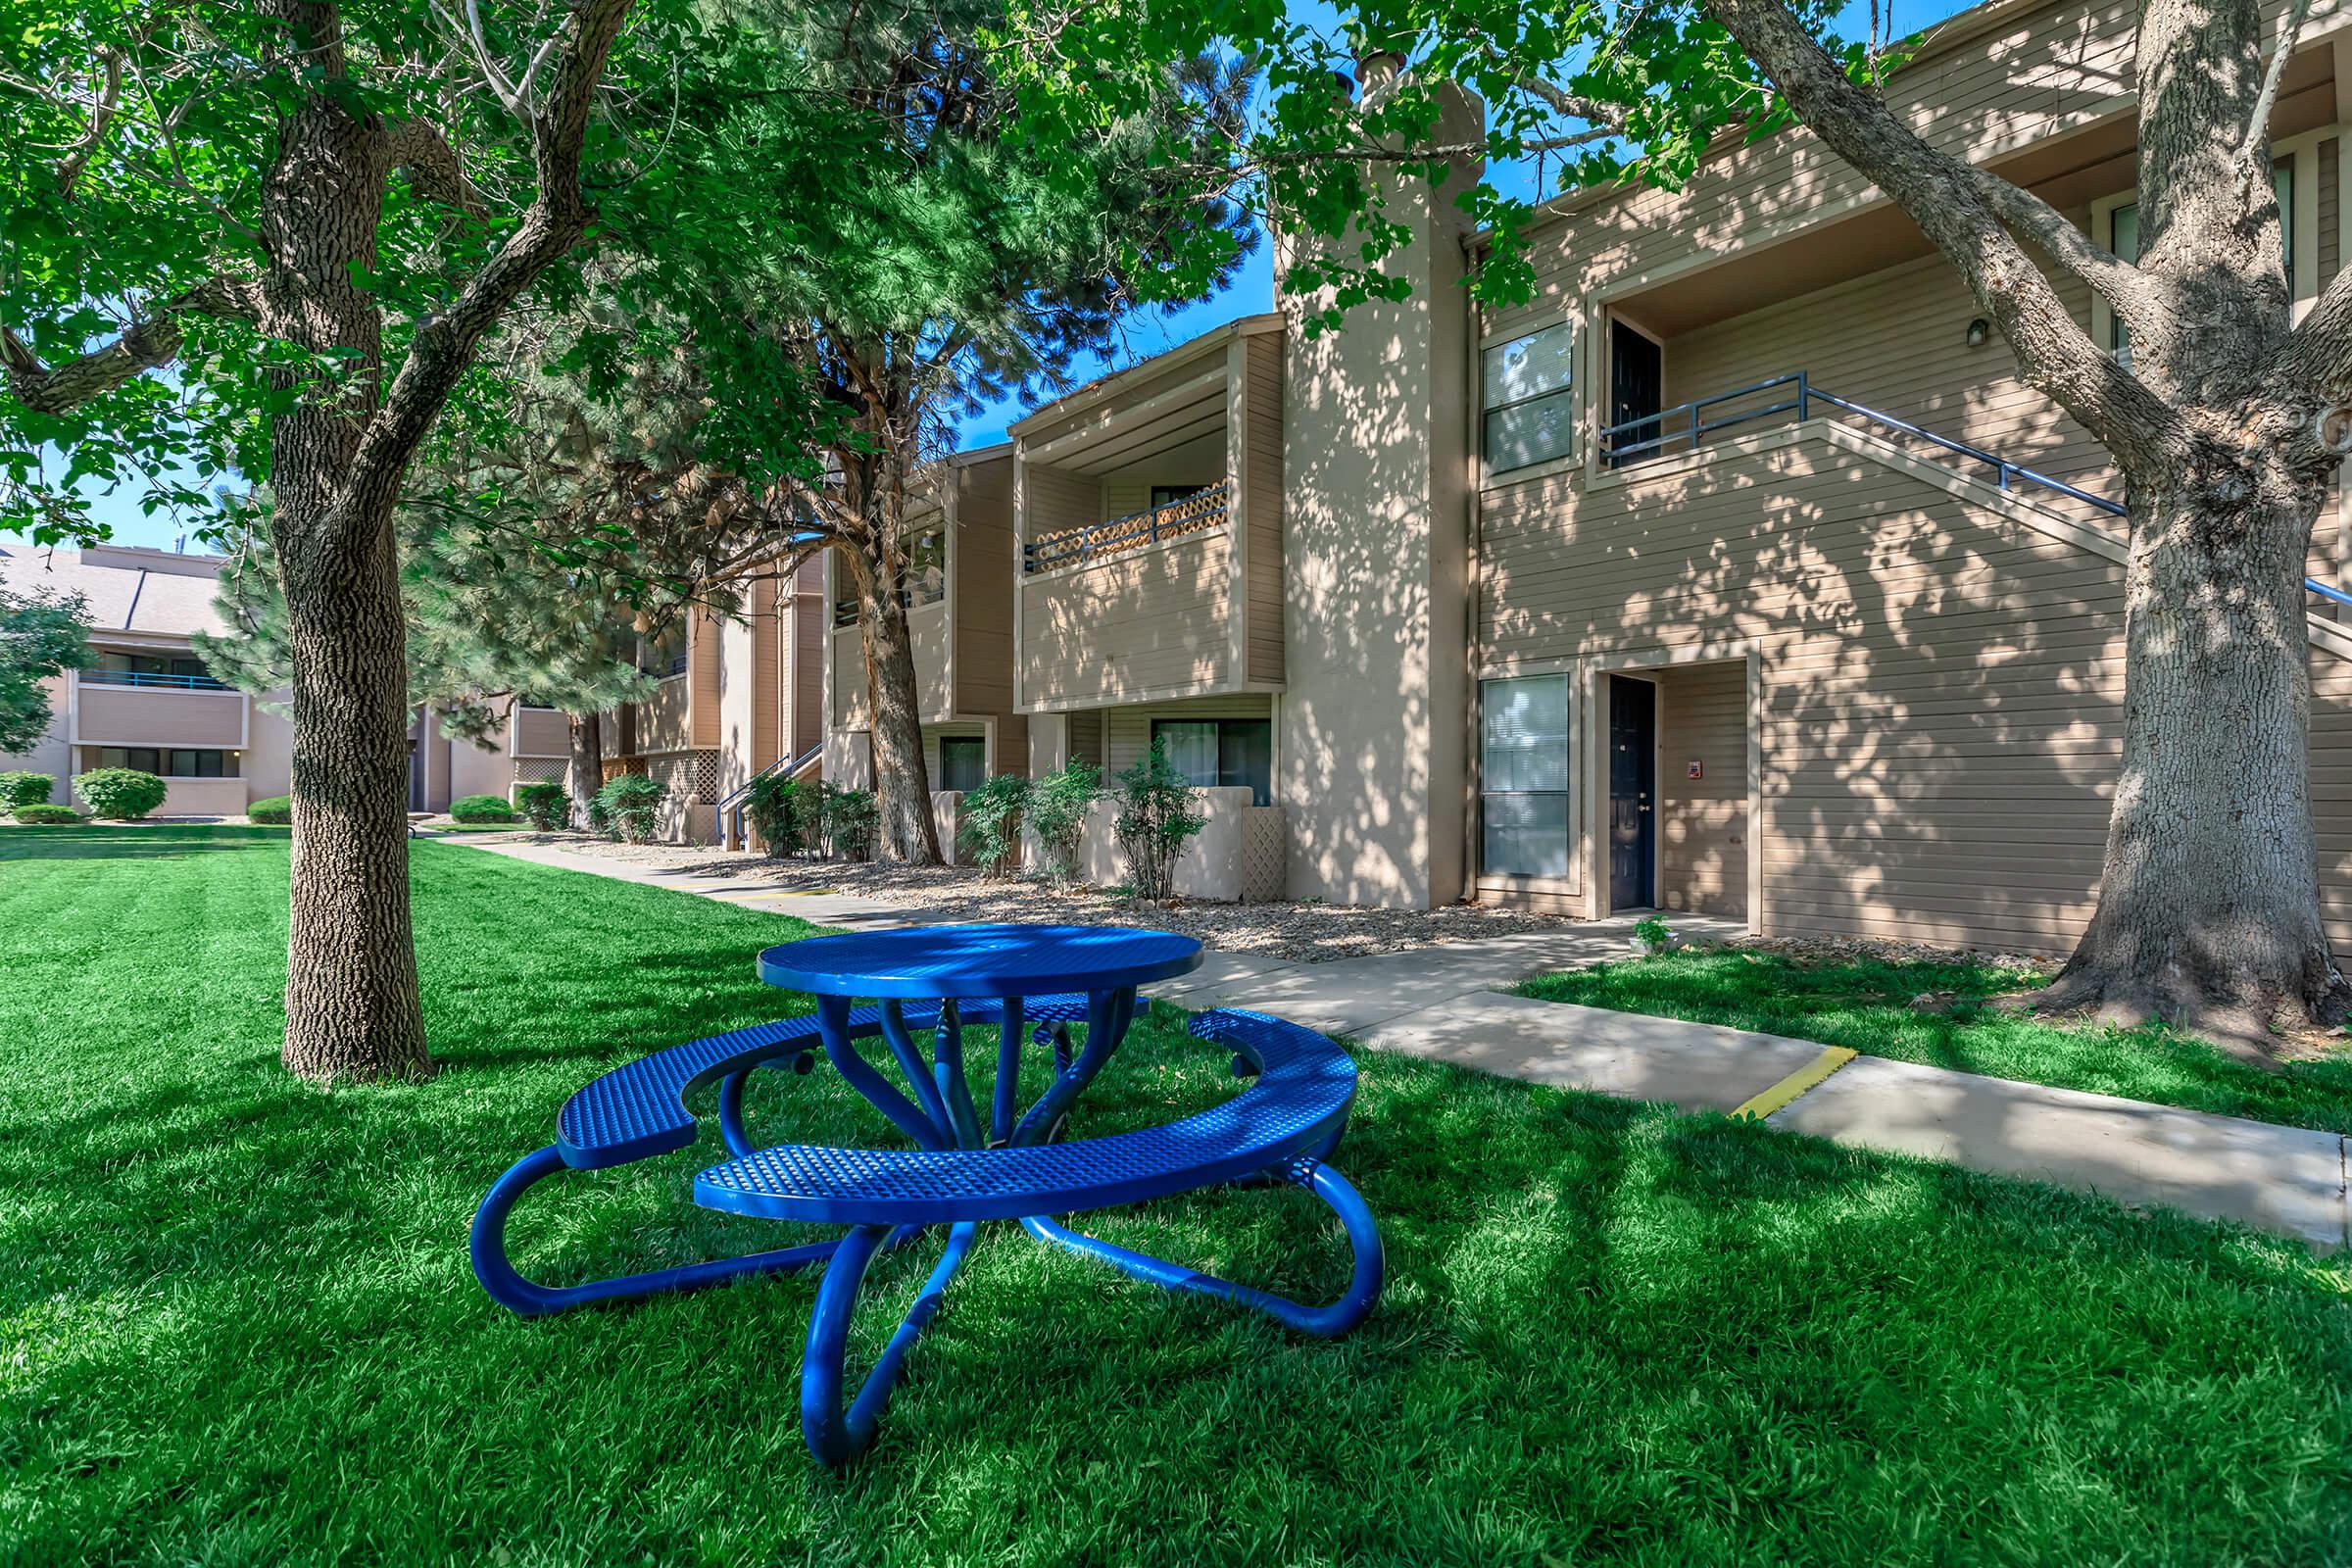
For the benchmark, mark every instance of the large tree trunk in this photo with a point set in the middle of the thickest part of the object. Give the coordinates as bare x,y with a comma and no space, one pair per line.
584,773
902,784
2209,911
352,1008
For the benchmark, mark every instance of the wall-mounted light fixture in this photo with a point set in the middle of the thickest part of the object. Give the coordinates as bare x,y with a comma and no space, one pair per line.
1980,332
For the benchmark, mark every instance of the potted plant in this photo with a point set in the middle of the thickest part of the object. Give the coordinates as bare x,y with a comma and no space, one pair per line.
1653,935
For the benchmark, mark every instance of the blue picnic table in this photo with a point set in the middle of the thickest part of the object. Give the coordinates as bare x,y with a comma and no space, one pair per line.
1033,984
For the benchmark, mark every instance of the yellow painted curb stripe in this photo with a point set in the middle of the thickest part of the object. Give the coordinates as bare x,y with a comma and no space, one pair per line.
1760,1106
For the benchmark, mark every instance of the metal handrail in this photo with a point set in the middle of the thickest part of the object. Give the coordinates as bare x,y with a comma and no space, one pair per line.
730,806
1195,514
153,678
1807,393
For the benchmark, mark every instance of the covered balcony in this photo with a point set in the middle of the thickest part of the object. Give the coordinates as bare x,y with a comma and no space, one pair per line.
147,696
1148,510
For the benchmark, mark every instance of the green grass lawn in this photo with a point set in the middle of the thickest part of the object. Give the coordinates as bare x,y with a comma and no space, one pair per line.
237,1325
1866,1007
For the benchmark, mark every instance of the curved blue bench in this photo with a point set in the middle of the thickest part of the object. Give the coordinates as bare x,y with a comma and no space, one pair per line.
1282,1125
638,1110
1298,1104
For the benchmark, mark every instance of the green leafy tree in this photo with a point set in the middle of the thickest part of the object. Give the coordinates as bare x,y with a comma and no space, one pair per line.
268,240
841,328
2209,895
42,634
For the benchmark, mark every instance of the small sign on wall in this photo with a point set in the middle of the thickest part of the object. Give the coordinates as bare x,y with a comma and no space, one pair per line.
1698,771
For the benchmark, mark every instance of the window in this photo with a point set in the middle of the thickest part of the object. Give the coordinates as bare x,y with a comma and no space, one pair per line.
1221,753
1168,495
963,762
2122,239
184,671
1528,396
171,761
1523,775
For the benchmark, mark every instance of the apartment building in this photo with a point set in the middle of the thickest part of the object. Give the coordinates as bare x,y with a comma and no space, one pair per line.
960,620
149,703
738,695
1735,572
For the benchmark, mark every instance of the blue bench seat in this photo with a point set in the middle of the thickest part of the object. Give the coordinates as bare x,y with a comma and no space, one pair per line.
1297,1105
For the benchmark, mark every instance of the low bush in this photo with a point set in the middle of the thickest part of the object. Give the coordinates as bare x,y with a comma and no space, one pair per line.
781,812
1156,821
40,814
988,826
480,809
632,804
545,805
275,811
848,819
1057,808
599,820
124,793
26,789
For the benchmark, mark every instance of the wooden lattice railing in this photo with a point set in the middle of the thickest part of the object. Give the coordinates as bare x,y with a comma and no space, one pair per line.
1204,513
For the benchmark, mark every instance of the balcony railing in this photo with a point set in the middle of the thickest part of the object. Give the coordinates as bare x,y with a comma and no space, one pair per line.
1633,441
1204,513
153,679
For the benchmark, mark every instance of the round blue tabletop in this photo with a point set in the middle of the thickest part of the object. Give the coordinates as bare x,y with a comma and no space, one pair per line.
979,960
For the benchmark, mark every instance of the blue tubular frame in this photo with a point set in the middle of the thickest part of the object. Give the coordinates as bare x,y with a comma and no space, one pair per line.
530,1299
1323,1322
1807,393
836,1436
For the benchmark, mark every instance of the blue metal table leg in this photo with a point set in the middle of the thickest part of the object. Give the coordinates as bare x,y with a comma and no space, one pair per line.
836,1436
946,1065
1006,1098
833,1027
1323,1322
1107,1015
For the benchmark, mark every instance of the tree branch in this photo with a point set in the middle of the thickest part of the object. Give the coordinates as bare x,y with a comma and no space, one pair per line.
557,216
144,346
1950,202
434,167
2258,123
102,112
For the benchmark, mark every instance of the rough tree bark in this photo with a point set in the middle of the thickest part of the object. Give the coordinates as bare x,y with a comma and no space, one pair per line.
2208,910
338,459
907,831
584,772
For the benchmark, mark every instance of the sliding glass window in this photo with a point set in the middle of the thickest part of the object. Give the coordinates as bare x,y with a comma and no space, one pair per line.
1528,395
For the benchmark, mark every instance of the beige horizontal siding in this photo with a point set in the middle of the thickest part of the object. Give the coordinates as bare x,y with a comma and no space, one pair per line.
1145,622
1262,509
1702,822
2034,75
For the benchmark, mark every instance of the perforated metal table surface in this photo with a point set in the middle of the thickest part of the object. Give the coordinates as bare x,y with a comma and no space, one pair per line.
931,962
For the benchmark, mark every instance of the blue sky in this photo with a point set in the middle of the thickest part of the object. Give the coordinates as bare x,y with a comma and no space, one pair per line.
1146,334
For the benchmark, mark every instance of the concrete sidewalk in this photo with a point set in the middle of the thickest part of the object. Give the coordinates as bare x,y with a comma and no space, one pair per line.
1446,1003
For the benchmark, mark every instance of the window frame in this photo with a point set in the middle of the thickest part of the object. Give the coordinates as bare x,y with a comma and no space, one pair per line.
1574,392
1258,796
1571,791
959,741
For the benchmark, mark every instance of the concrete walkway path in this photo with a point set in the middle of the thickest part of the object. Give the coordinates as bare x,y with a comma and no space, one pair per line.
1448,1003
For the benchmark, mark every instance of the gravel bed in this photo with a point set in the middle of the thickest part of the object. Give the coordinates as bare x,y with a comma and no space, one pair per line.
1304,933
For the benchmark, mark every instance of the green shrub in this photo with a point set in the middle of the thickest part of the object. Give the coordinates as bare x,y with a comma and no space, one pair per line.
40,814
275,811
780,810
988,826
480,809
600,819
545,804
122,793
848,818
26,789
632,803
1057,808
1156,820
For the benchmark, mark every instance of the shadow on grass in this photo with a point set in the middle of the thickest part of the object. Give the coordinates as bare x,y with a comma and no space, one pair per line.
240,1326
